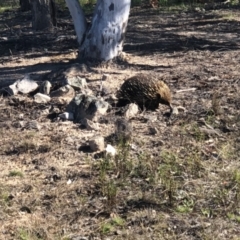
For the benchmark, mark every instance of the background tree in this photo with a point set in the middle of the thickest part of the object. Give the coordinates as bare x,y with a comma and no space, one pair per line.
43,14
25,5
104,39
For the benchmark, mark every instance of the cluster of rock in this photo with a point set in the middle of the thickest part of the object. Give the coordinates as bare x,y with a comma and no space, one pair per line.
81,105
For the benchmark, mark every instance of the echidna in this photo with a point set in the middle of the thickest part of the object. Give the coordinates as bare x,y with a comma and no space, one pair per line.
146,91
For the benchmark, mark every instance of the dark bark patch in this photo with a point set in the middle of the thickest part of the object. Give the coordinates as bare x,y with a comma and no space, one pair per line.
89,36
111,7
99,13
102,39
94,48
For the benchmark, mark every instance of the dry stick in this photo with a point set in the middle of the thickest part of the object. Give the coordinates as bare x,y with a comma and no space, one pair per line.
186,90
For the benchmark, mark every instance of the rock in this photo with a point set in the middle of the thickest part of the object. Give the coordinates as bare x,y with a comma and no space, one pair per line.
110,150
21,116
87,106
65,93
25,85
175,111
90,125
41,98
153,130
27,124
66,116
123,130
79,238
87,91
45,87
105,77
97,144
84,68
150,118
131,111
76,82
32,125
105,91
12,89
69,181
76,70
18,124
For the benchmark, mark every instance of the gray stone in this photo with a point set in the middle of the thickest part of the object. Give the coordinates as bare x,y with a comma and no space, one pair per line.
131,111
33,125
123,130
41,98
66,116
87,106
45,87
105,77
12,89
150,118
90,125
79,238
25,85
87,91
19,124
110,150
97,144
76,82
175,111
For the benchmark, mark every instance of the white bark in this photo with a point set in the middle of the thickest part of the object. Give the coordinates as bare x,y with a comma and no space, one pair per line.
104,40
79,20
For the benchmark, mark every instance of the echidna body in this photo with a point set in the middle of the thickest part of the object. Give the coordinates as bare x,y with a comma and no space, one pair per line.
146,91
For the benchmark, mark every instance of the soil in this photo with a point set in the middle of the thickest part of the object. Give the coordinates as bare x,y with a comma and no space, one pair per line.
178,178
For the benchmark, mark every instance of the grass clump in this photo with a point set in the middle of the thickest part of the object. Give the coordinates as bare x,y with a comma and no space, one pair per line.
15,173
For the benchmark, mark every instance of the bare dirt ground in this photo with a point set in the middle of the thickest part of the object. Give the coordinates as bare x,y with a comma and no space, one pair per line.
178,179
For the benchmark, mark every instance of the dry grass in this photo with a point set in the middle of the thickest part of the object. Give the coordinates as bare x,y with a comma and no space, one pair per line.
182,183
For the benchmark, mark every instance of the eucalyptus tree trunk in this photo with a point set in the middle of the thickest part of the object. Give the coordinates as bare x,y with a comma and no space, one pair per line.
79,20
43,14
104,40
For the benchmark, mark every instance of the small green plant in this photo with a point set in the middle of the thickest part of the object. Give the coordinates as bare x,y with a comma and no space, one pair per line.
15,173
206,212
233,217
236,177
106,228
169,171
118,221
226,150
193,164
104,166
198,135
4,196
110,226
216,103
186,206
123,162
24,234
110,191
